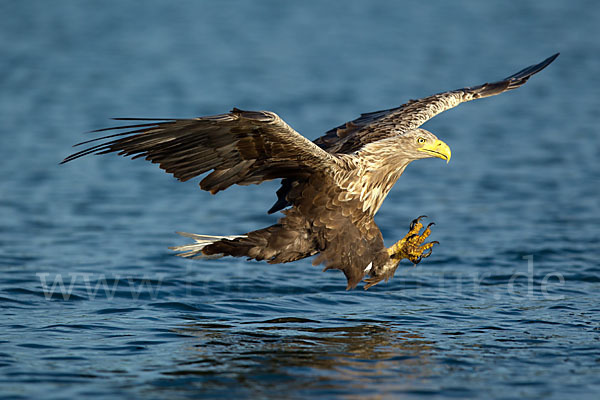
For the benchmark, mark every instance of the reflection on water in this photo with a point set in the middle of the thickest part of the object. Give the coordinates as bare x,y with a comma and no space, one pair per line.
354,356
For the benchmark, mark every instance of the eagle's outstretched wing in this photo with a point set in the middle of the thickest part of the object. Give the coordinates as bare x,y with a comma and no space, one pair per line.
241,147
377,125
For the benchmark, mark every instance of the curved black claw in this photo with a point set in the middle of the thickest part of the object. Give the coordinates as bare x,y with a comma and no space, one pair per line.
416,221
429,249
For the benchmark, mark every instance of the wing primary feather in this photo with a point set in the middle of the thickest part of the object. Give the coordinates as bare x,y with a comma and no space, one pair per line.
533,69
113,135
512,82
114,128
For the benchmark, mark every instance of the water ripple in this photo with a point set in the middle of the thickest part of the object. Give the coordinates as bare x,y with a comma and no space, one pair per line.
95,305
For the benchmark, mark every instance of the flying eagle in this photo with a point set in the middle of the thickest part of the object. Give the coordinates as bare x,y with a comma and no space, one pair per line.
331,188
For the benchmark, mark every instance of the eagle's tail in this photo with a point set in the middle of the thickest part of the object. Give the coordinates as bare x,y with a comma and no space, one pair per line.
275,244
194,250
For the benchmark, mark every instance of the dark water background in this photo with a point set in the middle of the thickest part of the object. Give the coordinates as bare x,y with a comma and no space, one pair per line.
507,306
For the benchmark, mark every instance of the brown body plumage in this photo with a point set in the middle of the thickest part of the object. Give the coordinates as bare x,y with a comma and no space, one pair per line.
332,186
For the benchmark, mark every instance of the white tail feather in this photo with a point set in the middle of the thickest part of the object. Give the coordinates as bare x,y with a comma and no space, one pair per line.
194,250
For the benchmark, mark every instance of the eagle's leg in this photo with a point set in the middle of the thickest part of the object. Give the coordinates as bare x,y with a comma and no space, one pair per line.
411,246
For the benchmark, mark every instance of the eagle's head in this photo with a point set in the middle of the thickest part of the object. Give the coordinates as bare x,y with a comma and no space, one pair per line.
419,143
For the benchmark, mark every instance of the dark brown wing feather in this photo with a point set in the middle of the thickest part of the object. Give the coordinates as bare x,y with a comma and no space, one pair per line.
241,147
377,125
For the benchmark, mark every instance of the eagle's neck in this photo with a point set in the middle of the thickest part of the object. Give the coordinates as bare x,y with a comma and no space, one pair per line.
372,178
376,184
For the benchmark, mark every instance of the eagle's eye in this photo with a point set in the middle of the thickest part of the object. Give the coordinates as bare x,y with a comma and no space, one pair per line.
421,140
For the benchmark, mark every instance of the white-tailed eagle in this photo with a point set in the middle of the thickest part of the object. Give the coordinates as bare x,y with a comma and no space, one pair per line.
331,188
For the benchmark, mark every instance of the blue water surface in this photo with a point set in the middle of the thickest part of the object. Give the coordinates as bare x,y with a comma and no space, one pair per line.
95,305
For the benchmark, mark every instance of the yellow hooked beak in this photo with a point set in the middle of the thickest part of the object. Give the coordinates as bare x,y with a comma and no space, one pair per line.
437,149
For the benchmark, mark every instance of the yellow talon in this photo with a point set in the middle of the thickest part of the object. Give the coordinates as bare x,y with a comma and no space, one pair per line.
411,246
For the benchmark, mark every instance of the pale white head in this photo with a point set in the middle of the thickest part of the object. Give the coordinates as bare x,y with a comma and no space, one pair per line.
420,143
